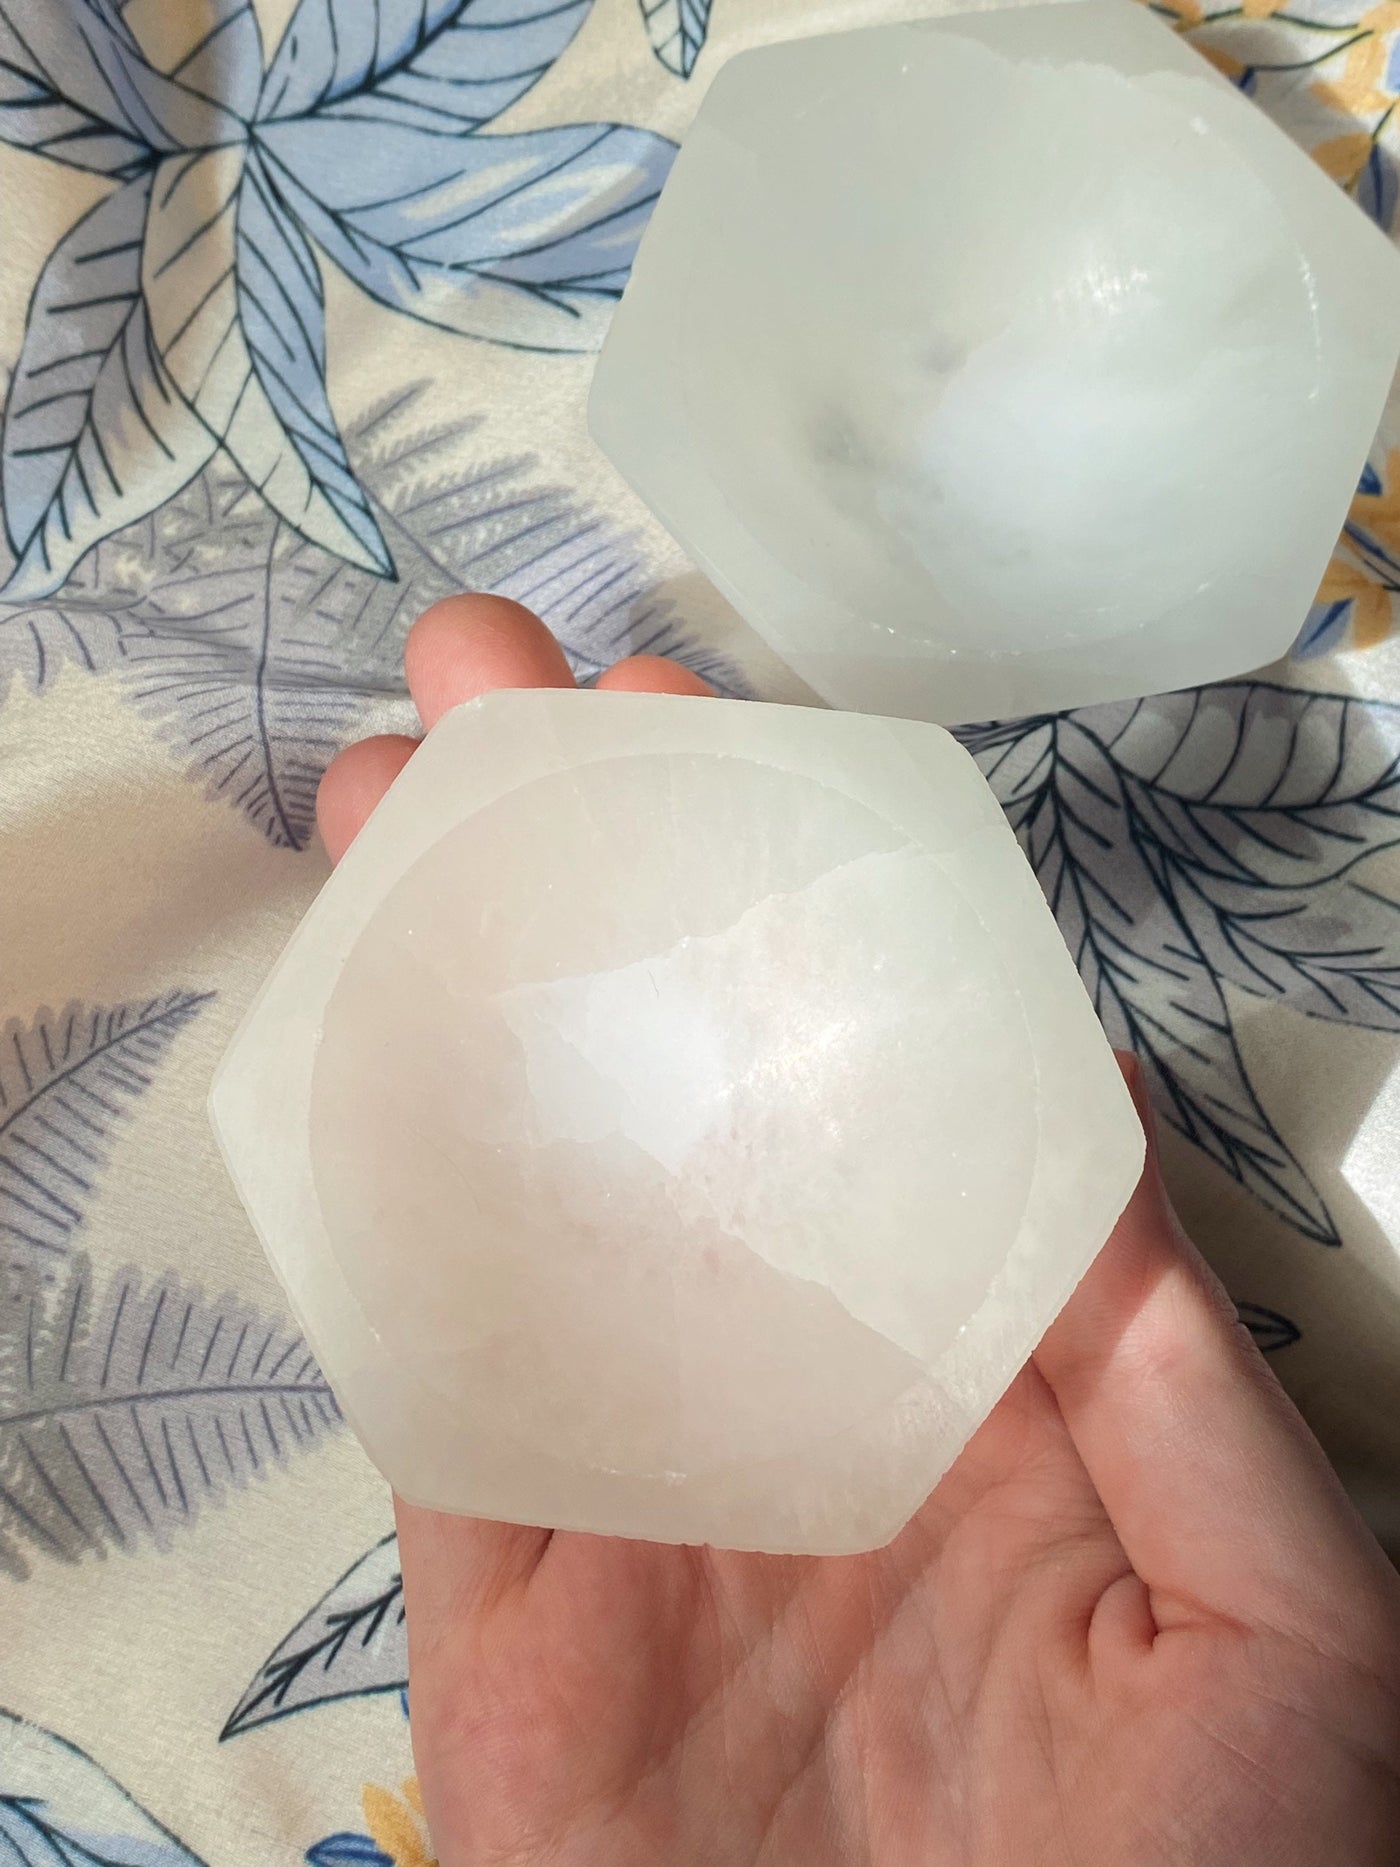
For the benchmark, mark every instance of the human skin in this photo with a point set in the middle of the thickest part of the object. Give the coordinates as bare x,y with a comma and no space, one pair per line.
1138,1624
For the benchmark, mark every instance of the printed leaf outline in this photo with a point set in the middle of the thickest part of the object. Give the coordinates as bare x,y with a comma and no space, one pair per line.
1322,631
1376,189
353,1643
1153,992
67,1079
260,656
437,65
1257,781
676,29
347,1850
87,627
523,240
489,524
41,422
206,217
282,310
76,88
1257,803
1139,818
214,49
220,335
127,1409
36,115
1270,1330
95,433
60,1809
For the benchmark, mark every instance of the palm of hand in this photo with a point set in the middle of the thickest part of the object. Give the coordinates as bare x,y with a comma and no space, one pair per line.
994,1687
1137,1623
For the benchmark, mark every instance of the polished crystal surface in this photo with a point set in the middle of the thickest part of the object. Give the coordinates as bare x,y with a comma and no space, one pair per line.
1001,363
677,1118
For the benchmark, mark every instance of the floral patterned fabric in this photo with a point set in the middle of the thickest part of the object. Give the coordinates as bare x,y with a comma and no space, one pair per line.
296,307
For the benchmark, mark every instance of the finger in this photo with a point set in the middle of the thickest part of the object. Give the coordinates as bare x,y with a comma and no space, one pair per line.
651,674
470,645
459,648
354,783
459,1575
456,1567
1220,1495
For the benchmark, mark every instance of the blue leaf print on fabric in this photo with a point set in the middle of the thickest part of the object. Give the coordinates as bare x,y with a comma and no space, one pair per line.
347,1850
677,31
1378,187
435,65
59,1809
1067,801
191,271
95,433
37,114
213,49
283,313
67,1079
352,1644
1206,838
524,240
75,88
1324,630
127,1408
210,330
1257,803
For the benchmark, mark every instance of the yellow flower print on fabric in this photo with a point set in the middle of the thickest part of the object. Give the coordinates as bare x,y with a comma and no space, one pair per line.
396,1824
1344,157
1364,87
1346,582
1291,56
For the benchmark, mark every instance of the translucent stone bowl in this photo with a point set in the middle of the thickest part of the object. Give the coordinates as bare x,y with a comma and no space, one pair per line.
677,1118
1001,363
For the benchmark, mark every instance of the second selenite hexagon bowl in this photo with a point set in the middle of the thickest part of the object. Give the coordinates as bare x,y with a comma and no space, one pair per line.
1001,363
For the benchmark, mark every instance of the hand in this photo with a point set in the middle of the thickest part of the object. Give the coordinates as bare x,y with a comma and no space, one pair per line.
1138,1623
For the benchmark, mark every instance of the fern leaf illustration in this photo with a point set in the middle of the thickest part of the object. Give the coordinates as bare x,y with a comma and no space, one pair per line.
67,1079
126,1407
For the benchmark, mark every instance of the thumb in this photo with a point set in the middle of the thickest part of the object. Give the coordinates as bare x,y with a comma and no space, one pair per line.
1221,1497
456,1571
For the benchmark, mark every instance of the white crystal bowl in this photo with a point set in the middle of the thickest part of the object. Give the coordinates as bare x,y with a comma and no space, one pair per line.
1001,363
677,1118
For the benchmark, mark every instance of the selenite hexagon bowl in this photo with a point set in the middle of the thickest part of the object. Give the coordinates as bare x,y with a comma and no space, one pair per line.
677,1118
